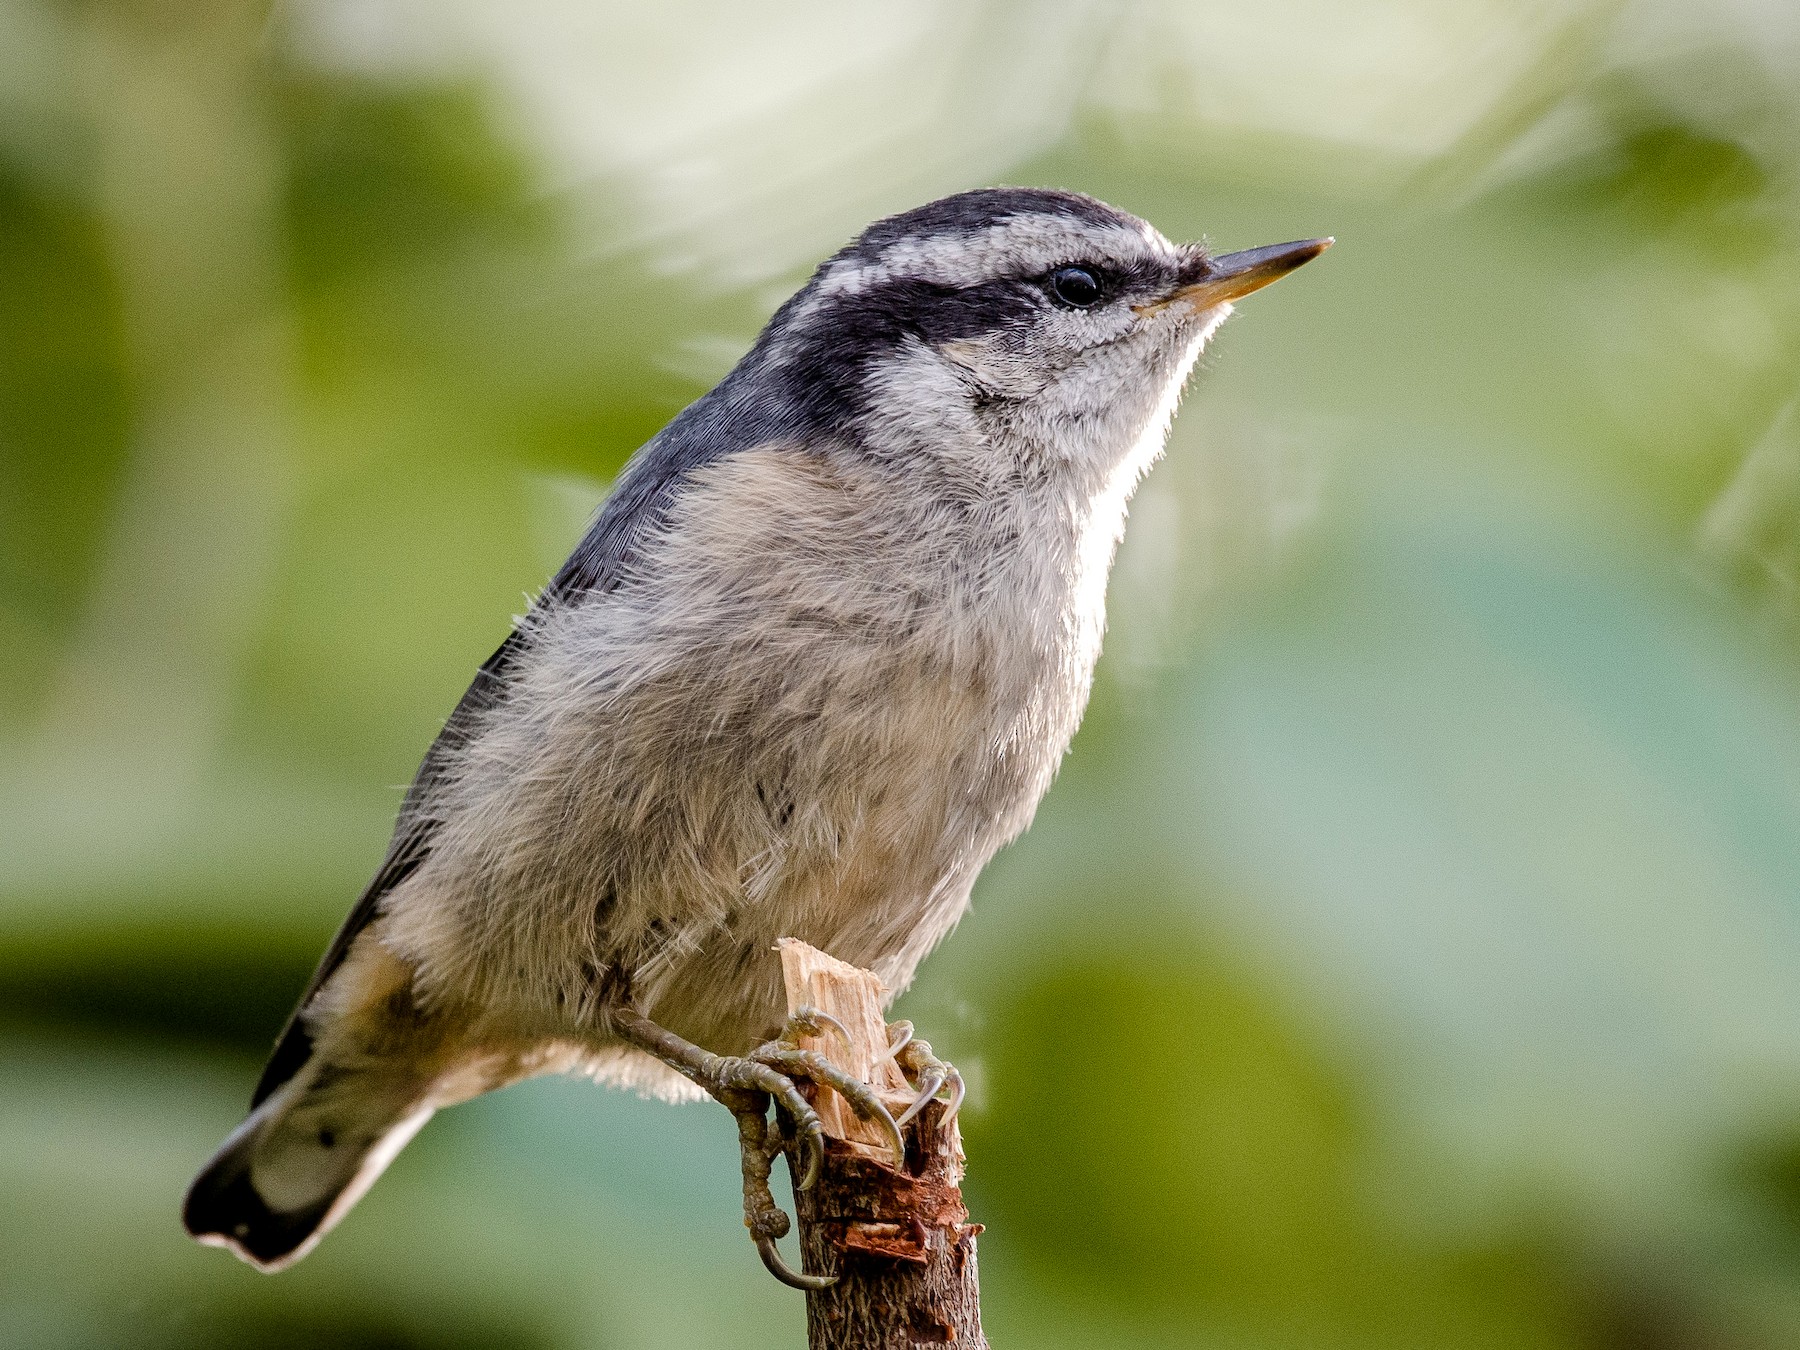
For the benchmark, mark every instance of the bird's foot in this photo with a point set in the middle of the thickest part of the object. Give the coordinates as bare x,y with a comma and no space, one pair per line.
786,1054
745,1086
925,1071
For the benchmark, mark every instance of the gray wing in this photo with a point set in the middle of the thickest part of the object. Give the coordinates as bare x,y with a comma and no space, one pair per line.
718,425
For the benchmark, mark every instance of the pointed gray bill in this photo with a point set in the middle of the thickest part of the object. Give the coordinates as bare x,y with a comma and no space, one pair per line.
1234,275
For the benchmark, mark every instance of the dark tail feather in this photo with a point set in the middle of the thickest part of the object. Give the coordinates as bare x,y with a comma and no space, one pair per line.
293,1169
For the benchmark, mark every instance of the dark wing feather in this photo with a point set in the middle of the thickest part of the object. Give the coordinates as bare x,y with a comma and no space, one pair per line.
716,426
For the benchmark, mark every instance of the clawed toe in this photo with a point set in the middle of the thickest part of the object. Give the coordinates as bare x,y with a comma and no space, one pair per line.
789,1057
732,1074
810,1021
774,1263
929,1074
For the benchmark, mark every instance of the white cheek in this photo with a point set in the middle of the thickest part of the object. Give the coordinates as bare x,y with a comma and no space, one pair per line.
916,397
1009,373
1078,330
1112,410
1025,366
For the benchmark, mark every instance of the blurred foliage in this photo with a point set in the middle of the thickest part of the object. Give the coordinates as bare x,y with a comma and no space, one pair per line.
1260,1225
1410,953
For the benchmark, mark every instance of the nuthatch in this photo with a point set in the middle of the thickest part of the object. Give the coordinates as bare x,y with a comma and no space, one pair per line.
815,660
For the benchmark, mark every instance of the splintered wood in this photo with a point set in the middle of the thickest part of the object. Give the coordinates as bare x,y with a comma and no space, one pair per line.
899,1242
853,996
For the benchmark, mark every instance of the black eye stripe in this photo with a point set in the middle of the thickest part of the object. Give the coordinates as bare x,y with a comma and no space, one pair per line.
1075,286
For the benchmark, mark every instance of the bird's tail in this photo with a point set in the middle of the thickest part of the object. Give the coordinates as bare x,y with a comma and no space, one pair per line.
302,1159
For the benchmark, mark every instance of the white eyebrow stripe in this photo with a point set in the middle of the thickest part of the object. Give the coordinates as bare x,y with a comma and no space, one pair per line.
1020,244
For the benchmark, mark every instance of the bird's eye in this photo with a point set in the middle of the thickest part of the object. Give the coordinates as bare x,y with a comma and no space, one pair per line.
1076,286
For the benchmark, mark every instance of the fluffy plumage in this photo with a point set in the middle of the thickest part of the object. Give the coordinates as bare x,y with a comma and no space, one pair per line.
816,659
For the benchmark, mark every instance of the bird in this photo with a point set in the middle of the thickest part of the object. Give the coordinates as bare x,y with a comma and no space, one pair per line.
815,660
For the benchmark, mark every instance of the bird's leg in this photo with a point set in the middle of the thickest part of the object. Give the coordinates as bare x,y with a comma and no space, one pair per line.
924,1070
744,1087
786,1054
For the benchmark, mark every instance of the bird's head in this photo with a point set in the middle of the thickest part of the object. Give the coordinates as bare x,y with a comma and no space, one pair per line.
1046,323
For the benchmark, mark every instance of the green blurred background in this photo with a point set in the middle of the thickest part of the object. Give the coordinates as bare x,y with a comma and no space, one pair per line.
1409,955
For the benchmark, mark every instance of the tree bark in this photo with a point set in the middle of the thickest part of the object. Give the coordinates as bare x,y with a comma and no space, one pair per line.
900,1242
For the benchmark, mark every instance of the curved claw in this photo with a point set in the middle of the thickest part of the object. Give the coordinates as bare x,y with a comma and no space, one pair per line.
781,1270
957,1092
930,1074
931,1079
885,1118
808,1128
812,1144
902,1031
814,1021
755,1075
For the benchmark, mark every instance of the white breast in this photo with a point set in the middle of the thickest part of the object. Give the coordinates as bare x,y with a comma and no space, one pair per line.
816,710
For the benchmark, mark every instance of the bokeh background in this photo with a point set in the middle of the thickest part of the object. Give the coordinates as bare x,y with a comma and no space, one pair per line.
1409,955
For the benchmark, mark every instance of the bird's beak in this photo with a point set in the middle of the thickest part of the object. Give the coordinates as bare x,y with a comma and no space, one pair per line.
1235,275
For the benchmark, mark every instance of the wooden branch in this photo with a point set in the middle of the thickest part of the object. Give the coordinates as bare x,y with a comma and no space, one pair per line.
901,1242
